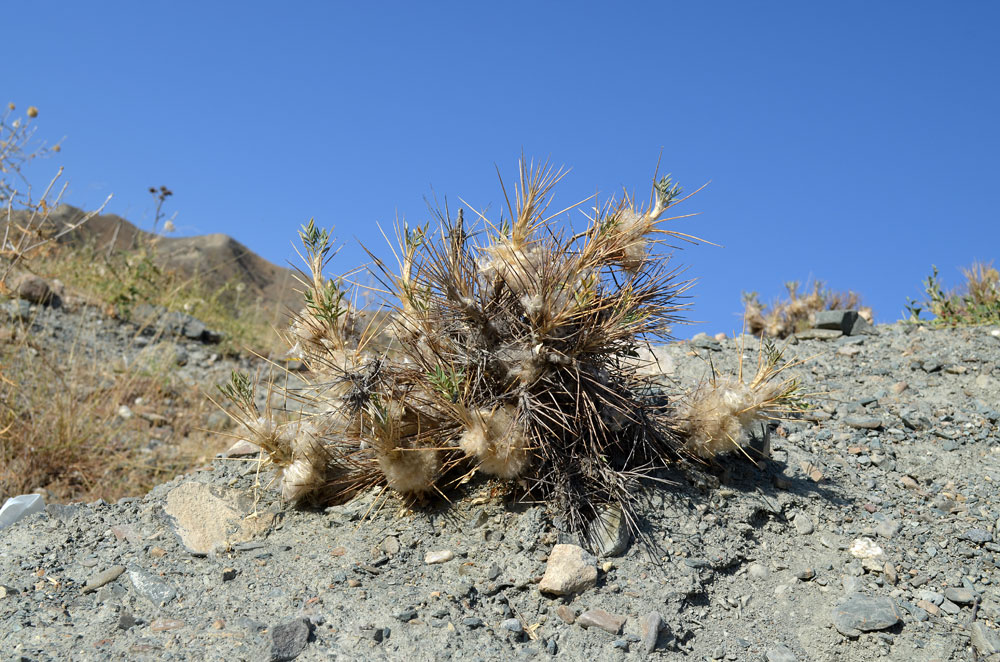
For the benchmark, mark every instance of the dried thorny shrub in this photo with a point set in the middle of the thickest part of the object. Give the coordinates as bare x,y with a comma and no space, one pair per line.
977,303
797,313
508,352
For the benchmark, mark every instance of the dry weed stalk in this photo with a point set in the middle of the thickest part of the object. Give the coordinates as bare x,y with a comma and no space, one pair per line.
509,356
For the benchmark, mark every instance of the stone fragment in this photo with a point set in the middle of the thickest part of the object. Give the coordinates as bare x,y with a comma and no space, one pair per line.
102,578
512,625
819,334
887,528
157,592
242,448
439,556
841,320
803,524
650,628
861,613
566,613
978,536
570,570
288,640
960,595
207,518
950,607
34,289
598,618
985,639
611,534
863,422
166,624
866,548
780,653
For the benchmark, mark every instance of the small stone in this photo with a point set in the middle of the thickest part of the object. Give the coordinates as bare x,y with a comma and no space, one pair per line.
407,615
863,422
34,289
157,592
611,534
780,653
621,644
390,545
439,556
166,624
289,639
650,628
472,622
102,578
803,524
861,613
978,536
157,552
932,597
513,625
929,607
909,483
242,448
218,624
985,639
353,583
866,548
959,595
805,574
228,574
950,607
570,570
566,613
598,618
757,571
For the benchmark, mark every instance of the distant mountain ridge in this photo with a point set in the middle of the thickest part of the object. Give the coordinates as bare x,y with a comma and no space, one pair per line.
215,259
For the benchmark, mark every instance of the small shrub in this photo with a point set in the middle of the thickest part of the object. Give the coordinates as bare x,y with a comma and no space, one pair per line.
977,303
508,351
797,313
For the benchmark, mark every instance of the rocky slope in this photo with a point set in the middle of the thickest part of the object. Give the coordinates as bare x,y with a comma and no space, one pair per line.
868,532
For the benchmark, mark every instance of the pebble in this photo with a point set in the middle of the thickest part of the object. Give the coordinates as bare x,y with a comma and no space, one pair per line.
472,622
863,422
100,579
780,653
978,536
803,524
861,613
513,625
158,593
566,613
757,571
439,556
289,639
887,528
650,628
569,570
598,618
950,607
962,596
985,639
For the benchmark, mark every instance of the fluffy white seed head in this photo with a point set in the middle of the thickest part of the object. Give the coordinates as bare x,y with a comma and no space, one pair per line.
497,441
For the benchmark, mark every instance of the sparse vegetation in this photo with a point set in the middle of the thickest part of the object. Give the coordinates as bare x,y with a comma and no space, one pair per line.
782,318
508,352
978,302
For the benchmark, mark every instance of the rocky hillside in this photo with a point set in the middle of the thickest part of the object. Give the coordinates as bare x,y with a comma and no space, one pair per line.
865,530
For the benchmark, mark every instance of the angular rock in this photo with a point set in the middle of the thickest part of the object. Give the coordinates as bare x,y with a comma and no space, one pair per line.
289,639
863,422
819,334
100,579
570,570
651,626
959,595
780,653
803,524
34,289
861,613
978,536
840,320
157,592
985,639
611,535
208,518
439,556
598,618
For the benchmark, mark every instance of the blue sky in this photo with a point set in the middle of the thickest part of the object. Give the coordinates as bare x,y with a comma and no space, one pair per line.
855,142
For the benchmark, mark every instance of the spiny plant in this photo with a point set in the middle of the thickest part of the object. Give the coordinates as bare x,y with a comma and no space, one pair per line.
796,313
978,303
507,350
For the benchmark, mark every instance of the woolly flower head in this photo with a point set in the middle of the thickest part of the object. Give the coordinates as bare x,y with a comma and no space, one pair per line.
495,439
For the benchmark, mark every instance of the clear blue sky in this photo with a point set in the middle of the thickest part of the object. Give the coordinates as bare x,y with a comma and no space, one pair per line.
856,142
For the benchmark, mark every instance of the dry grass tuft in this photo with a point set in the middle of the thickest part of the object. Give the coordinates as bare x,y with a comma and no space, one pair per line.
783,318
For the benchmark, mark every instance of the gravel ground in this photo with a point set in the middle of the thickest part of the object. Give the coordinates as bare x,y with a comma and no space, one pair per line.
868,533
